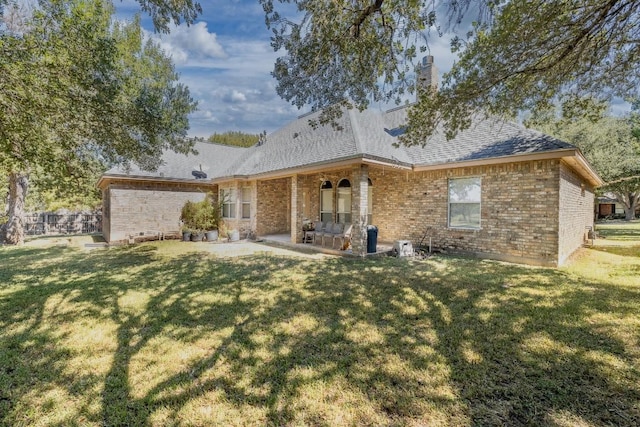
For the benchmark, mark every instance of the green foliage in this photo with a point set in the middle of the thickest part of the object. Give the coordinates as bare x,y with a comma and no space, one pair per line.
176,11
201,216
607,142
162,12
519,54
236,138
80,92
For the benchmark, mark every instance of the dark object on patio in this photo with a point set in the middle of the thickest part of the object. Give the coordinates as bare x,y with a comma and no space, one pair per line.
372,239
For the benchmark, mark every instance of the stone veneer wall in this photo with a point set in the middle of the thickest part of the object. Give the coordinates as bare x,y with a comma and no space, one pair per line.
519,210
273,214
134,207
576,212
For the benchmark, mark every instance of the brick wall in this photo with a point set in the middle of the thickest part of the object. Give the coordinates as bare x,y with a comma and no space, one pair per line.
519,210
132,208
520,216
576,212
273,206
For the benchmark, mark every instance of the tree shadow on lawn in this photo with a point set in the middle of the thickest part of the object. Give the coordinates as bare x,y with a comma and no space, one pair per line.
339,341
626,251
619,232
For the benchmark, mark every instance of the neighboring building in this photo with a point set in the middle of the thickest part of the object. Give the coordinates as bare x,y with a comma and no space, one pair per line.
607,207
498,190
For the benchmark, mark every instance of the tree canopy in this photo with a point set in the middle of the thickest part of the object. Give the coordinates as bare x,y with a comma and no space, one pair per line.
236,138
610,143
517,55
77,91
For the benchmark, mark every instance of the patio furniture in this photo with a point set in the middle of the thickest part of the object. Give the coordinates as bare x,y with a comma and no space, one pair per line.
345,235
318,229
326,229
336,229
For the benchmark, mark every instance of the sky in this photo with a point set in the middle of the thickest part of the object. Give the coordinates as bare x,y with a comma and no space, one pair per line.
225,59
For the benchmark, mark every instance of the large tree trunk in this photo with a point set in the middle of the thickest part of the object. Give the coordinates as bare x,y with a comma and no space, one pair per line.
14,229
634,200
630,202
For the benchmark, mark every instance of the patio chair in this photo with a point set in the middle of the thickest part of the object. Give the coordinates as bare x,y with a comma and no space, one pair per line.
318,229
346,234
326,229
336,229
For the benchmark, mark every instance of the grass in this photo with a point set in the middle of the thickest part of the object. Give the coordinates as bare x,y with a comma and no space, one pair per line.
152,335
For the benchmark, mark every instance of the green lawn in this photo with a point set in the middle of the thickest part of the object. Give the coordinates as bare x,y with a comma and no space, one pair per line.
151,335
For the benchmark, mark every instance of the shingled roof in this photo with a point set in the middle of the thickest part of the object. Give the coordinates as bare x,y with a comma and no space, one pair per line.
369,134
212,159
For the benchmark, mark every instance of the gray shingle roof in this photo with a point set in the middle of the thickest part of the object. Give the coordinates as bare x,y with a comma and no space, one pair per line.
370,133
212,159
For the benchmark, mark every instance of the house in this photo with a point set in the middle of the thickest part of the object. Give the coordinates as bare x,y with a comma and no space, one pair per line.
608,207
498,190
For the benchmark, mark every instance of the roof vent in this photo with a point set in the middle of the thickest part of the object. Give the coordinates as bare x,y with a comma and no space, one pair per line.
199,174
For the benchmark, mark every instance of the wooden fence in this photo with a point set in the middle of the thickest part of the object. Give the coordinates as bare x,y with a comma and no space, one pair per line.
45,223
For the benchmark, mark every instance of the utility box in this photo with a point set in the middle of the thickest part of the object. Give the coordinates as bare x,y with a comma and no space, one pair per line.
402,248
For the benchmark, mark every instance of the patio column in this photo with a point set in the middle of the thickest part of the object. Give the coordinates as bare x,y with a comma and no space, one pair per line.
297,211
359,206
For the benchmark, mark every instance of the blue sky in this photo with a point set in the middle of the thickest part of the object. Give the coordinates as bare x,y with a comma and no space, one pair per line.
225,59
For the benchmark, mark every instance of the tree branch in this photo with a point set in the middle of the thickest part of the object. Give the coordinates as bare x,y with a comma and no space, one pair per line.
364,14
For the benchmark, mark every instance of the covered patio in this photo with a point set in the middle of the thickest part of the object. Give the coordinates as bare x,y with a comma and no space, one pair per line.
284,240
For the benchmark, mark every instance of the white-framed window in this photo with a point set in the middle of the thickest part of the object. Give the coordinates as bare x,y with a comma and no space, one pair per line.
228,197
370,202
246,202
344,201
326,201
464,202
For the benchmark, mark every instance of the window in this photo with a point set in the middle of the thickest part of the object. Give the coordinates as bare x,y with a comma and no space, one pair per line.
246,202
228,197
326,202
464,203
370,202
344,201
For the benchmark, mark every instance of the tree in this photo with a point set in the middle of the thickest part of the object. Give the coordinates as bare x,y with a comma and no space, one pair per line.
76,90
518,54
608,142
237,138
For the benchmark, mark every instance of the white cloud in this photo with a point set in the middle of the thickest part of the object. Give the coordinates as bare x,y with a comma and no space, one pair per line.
238,96
184,43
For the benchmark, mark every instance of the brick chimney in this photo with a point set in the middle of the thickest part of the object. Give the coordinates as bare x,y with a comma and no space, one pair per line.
426,74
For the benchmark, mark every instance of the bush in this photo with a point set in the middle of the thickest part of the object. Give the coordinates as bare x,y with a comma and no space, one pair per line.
201,216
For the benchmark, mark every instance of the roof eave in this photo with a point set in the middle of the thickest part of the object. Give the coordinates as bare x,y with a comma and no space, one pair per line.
580,163
317,167
572,155
106,179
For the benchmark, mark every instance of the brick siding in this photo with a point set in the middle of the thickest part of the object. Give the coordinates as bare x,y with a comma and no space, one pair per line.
531,212
273,206
134,208
576,212
519,212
